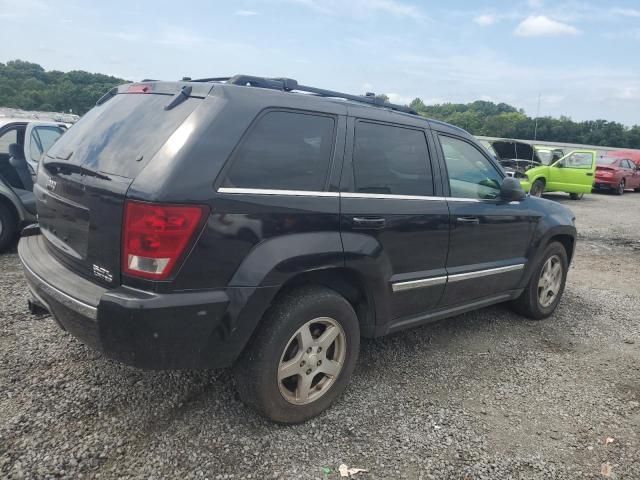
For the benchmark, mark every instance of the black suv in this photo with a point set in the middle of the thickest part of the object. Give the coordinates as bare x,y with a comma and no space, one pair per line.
265,225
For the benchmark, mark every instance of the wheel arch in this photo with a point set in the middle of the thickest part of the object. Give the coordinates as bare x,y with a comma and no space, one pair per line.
346,282
567,241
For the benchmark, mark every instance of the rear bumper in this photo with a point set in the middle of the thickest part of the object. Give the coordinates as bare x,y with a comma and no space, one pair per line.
606,183
194,329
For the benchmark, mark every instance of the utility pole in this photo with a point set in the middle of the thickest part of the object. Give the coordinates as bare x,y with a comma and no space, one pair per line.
535,130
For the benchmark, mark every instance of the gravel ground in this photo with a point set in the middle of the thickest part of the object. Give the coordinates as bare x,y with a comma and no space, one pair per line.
485,395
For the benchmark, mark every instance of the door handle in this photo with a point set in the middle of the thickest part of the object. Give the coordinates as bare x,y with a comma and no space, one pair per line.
374,223
589,174
468,220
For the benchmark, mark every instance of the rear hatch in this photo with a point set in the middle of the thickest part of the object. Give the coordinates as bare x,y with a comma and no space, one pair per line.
83,179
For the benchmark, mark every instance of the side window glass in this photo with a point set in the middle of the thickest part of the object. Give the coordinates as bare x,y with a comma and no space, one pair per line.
284,151
391,160
471,175
47,136
582,160
35,150
7,138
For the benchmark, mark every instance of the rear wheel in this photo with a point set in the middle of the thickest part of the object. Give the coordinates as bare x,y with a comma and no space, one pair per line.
576,196
546,286
8,226
621,187
301,357
537,189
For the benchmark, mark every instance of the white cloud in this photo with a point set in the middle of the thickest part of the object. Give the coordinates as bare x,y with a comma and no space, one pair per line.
486,19
246,13
179,37
542,26
400,99
626,12
363,8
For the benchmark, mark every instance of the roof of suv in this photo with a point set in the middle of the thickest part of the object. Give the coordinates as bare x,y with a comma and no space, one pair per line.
282,86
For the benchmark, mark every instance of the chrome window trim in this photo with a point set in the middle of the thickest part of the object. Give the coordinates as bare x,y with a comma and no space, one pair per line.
389,196
458,277
268,191
425,282
311,193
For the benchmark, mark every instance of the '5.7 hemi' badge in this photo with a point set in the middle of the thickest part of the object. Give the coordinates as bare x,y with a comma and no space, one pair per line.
102,273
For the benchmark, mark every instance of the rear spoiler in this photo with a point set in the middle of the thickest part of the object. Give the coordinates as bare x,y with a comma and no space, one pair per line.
185,89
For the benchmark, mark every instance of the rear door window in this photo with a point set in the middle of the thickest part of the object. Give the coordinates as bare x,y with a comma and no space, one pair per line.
284,151
391,160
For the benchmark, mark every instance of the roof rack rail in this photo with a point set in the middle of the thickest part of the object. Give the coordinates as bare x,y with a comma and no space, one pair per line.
289,84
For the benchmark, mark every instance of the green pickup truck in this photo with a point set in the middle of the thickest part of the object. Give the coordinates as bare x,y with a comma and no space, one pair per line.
573,173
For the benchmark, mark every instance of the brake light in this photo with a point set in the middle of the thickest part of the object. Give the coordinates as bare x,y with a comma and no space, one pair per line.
139,88
156,236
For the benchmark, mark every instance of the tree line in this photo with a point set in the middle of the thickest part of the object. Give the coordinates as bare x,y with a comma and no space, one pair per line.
28,86
502,120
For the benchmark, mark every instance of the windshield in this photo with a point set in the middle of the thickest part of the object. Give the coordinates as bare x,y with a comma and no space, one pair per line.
545,156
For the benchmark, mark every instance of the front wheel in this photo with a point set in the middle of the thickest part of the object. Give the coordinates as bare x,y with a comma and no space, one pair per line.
621,187
546,286
537,189
576,196
301,357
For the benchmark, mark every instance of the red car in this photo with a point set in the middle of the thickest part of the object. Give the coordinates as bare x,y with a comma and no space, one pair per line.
633,155
617,174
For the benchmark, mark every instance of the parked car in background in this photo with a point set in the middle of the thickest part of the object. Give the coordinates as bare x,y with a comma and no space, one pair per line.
573,174
633,155
514,156
617,175
548,155
22,143
263,224
34,137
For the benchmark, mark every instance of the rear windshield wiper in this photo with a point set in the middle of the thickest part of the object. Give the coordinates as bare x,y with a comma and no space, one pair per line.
179,97
60,167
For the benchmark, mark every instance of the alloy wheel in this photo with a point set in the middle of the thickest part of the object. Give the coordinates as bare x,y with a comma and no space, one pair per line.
550,281
312,361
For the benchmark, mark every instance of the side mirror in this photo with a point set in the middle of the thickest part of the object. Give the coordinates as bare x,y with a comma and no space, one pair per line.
511,190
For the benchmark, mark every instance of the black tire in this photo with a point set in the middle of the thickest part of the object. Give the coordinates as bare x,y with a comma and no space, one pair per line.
8,226
576,196
620,189
528,303
537,188
256,371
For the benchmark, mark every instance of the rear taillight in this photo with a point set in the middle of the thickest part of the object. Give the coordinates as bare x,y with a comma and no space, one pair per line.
156,236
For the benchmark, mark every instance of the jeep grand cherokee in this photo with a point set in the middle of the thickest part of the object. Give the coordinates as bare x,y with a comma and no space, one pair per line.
266,225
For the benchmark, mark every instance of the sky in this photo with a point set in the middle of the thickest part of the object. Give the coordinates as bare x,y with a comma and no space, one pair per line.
579,57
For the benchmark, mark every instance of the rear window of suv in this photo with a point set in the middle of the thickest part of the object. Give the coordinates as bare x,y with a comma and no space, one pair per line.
284,151
121,135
